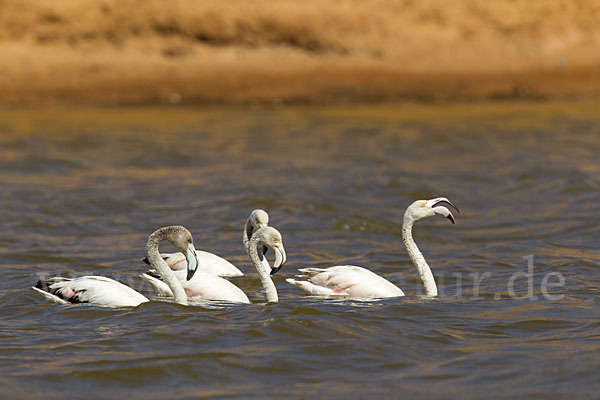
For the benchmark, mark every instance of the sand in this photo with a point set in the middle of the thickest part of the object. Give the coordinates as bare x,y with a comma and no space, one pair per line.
128,52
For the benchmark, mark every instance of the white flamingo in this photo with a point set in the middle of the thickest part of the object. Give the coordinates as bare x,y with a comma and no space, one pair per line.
108,292
212,263
258,219
202,285
196,286
275,243
357,282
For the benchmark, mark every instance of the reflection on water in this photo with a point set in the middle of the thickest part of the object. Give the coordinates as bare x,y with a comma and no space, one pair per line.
81,190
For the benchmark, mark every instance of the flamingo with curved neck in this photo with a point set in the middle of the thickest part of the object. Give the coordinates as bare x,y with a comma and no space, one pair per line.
178,236
201,285
268,237
357,282
104,291
212,263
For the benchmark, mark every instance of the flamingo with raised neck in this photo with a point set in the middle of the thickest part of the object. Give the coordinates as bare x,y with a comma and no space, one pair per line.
358,282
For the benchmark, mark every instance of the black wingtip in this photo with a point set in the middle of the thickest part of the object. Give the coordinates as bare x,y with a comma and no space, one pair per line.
153,273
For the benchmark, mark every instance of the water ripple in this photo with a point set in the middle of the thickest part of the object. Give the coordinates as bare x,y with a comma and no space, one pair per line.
81,191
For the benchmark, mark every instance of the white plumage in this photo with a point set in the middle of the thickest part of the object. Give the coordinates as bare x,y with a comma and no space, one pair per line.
205,284
211,287
104,291
202,286
358,282
345,280
207,262
89,289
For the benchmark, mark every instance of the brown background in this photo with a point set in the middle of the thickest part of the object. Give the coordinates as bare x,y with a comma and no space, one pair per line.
116,52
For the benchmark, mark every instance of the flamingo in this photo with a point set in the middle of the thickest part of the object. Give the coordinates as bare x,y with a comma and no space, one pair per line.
257,219
358,282
203,285
104,291
212,263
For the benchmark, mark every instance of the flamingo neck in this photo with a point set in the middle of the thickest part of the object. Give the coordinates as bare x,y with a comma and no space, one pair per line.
417,258
163,269
263,267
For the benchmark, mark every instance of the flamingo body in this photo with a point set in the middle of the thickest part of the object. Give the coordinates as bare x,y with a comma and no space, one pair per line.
98,290
357,282
203,285
207,262
345,280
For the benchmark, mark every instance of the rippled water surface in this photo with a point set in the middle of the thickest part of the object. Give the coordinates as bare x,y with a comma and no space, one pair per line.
82,190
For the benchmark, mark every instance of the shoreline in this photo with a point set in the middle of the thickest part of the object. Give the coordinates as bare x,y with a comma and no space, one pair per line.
407,110
321,86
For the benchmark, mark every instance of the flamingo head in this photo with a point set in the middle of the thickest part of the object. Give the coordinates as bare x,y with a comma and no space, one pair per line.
428,208
258,219
270,238
183,241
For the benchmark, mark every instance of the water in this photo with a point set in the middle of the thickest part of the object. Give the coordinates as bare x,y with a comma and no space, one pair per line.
82,190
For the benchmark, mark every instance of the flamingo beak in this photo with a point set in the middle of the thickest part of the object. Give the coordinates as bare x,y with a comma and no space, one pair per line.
441,210
445,200
192,261
280,259
444,211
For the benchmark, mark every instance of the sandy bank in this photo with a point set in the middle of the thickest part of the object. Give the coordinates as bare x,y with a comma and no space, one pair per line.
113,52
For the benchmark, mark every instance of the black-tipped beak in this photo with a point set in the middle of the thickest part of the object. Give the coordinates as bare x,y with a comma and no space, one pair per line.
451,218
192,261
190,275
275,270
280,259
